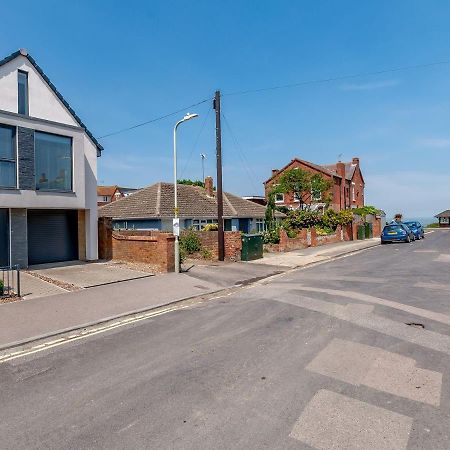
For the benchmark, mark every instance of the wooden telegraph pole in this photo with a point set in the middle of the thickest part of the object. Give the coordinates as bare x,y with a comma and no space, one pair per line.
221,236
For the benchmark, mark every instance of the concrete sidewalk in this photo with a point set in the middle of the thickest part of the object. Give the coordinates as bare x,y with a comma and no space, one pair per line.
306,256
29,320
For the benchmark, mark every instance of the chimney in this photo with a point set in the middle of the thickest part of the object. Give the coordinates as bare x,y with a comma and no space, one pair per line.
355,161
274,172
209,186
340,169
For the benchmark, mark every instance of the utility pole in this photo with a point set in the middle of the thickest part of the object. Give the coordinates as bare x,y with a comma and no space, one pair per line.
221,236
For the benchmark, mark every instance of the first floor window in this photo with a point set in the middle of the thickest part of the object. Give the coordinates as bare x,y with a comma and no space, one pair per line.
7,157
53,156
279,198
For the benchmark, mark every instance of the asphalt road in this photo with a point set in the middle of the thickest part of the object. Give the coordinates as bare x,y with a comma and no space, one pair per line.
317,358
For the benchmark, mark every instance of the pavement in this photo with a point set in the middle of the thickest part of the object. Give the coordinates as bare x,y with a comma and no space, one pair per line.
39,317
353,353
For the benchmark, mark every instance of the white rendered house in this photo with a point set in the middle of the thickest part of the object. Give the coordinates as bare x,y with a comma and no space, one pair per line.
48,171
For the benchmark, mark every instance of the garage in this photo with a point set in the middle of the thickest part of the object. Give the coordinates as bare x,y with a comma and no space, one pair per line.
52,236
4,234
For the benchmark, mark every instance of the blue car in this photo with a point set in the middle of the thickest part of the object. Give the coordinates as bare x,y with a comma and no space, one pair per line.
416,228
396,232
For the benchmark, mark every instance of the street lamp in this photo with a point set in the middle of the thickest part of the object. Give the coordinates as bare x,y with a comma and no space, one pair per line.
176,220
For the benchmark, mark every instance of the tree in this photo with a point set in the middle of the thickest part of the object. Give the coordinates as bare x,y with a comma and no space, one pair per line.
192,182
270,211
306,187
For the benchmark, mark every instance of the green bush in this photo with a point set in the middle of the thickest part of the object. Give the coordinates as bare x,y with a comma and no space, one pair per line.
291,233
190,242
298,219
324,230
365,210
432,225
345,216
272,236
330,219
206,253
2,287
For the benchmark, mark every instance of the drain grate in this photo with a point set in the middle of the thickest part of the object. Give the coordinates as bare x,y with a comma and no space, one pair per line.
416,325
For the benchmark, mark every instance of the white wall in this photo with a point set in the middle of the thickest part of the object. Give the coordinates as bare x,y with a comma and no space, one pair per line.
43,103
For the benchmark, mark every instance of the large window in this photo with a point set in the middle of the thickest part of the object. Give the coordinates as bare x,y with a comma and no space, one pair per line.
53,155
260,225
7,157
199,224
22,82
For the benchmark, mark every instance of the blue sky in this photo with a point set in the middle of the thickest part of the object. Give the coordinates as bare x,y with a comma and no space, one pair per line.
120,63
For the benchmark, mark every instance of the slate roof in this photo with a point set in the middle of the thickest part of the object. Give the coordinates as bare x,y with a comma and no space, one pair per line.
349,169
24,53
156,202
443,214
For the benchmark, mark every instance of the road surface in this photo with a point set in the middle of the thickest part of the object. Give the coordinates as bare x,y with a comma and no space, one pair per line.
316,358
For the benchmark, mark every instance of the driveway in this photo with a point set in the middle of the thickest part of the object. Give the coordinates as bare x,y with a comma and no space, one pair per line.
50,279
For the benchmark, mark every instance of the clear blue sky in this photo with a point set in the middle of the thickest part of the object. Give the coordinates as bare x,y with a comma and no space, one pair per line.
120,63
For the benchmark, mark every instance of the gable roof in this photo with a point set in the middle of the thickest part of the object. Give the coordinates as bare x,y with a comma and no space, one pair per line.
106,190
322,169
23,52
349,169
157,202
445,213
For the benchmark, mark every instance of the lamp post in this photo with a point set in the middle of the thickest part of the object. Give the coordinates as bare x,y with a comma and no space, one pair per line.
176,220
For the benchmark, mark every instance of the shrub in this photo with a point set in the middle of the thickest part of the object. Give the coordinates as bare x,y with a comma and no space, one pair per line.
345,216
291,233
330,219
324,230
432,225
190,242
2,287
365,210
206,253
272,236
211,227
298,219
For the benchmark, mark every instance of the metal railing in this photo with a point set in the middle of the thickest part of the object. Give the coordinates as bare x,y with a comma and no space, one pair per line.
9,281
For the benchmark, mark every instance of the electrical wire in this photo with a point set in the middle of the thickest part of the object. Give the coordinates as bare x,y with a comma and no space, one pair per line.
123,130
195,143
338,78
241,154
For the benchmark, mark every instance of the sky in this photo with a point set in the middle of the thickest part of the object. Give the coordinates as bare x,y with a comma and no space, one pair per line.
123,63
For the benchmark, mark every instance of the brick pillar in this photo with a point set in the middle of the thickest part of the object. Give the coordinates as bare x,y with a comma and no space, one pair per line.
105,238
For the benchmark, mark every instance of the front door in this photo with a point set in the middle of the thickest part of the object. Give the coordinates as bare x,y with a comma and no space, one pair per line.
4,237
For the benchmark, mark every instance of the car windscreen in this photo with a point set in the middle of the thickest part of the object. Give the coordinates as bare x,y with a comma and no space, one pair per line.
412,224
393,228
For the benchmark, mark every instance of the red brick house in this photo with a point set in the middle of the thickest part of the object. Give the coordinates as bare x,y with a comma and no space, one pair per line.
347,184
108,194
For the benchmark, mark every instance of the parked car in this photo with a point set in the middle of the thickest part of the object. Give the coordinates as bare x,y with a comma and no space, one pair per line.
396,232
416,228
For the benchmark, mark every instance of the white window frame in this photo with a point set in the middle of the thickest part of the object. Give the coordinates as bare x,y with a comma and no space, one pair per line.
199,224
260,225
353,193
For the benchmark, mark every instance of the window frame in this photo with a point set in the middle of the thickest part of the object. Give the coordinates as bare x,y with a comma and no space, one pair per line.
72,165
8,160
199,224
260,225
27,96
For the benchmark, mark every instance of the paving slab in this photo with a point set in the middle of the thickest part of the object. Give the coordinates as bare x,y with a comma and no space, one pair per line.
85,274
33,287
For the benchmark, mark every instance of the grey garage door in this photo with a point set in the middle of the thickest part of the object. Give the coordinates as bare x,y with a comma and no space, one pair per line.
52,236
4,241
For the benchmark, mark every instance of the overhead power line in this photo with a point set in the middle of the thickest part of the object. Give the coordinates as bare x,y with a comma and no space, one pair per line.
338,78
154,120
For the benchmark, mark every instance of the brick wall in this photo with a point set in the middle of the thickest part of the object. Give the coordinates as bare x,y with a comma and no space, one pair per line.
154,248
233,244
287,244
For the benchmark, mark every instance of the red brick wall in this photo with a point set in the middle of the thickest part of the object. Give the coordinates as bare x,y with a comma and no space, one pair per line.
233,244
359,188
150,247
287,244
